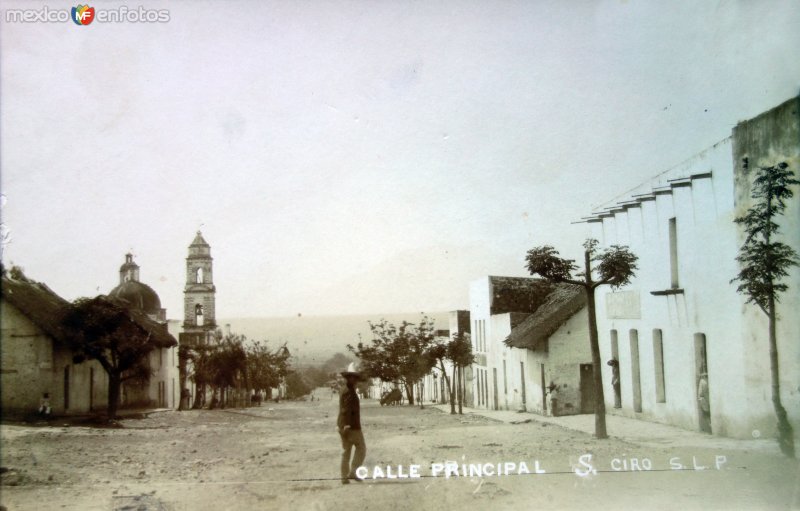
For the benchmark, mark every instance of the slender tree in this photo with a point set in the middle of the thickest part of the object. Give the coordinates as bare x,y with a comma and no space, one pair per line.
615,267
764,262
459,352
438,354
118,337
397,353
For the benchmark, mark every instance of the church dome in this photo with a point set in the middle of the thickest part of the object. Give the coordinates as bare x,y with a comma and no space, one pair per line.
140,296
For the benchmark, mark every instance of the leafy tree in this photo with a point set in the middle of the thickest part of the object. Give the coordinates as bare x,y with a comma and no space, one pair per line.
615,267
118,337
199,355
457,351
296,385
227,367
234,362
266,369
397,354
437,353
316,376
338,362
764,263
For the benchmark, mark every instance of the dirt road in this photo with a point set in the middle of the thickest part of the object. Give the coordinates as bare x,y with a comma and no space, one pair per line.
285,456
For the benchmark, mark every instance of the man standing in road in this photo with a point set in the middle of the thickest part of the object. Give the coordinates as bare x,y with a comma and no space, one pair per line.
349,424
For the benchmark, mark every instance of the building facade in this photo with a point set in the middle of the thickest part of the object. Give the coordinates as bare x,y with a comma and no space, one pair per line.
517,378
680,332
35,359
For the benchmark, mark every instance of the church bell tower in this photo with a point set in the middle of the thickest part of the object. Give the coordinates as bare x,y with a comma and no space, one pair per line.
199,314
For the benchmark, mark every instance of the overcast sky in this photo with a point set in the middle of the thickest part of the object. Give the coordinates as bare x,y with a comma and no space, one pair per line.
358,157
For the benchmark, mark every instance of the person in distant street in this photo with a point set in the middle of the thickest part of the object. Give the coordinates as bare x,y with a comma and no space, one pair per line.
552,398
44,405
349,425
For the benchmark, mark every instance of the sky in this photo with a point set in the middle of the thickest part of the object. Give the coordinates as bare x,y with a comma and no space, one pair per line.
348,157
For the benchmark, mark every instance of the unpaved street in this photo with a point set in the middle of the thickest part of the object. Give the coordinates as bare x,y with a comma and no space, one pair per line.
285,456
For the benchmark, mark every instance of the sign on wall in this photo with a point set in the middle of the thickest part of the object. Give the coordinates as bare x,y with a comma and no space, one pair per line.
623,305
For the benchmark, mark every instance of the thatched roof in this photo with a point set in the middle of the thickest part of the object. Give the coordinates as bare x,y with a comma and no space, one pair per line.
46,310
37,302
518,294
562,303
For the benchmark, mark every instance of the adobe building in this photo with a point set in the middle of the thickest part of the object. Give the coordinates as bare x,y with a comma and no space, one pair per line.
681,318
555,343
546,329
34,356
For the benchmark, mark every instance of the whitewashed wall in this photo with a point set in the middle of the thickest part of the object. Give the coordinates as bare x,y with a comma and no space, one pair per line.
707,244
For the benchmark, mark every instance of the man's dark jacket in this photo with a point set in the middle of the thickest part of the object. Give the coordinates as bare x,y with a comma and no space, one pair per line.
349,410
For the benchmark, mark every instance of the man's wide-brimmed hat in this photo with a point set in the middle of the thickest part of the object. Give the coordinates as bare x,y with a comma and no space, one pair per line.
351,371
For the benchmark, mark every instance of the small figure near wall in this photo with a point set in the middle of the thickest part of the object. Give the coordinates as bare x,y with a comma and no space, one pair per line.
614,363
552,399
44,406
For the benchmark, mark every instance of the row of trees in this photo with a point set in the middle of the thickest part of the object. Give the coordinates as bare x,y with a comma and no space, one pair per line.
121,338
405,354
231,367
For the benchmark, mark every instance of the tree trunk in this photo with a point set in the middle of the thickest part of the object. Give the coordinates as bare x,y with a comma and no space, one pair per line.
409,393
200,392
449,388
184,399
785,431
460,389
455,379
597,368
114,384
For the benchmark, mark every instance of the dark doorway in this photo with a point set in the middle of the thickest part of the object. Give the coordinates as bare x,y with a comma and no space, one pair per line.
616,382
66,388
587,388
522,380
702,383
636,381
91,389
544,389
486,388
494,380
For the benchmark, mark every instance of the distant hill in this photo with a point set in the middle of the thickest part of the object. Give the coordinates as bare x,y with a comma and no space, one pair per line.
314,339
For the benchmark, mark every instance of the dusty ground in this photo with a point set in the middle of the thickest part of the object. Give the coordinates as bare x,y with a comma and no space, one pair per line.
285,456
